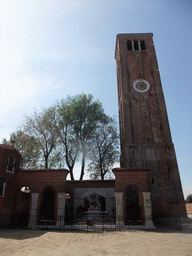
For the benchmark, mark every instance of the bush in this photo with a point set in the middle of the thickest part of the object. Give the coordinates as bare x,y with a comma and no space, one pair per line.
189,199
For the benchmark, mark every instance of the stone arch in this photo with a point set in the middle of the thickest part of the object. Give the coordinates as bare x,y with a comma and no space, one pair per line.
132,205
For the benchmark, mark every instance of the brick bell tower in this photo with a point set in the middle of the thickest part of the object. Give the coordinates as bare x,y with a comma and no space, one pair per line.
146,141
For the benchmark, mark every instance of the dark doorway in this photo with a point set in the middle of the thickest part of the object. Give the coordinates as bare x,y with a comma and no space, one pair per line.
103,203
133,211
69,212
21,208
47,208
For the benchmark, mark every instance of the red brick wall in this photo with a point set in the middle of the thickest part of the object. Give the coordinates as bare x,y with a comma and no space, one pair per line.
144,128
189,208
5,152
11,186
1,203
127,177
37,180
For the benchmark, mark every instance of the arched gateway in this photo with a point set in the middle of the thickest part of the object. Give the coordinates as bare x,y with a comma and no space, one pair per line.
132,205
47,207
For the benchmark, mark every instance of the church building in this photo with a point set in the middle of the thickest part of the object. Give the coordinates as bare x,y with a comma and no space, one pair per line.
146,190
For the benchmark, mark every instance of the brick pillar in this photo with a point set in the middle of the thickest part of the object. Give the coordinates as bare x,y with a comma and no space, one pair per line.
148,210
61,210
33,214
119,209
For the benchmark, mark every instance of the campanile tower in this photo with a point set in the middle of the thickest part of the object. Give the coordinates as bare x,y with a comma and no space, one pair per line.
146,141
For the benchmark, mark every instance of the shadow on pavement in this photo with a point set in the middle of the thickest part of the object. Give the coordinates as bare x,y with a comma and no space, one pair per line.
20,234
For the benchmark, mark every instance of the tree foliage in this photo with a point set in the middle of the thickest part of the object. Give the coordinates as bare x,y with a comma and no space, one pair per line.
83,115
78,120
189,199
105,150
41,127
74,130
66,136
28,146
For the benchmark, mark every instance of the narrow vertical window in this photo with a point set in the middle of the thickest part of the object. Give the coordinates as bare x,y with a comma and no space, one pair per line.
11,163
143,45
136,45
129,46
2,187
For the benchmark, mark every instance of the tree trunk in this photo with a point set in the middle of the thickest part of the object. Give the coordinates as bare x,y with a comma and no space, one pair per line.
82,167
71,173
102,176
46,162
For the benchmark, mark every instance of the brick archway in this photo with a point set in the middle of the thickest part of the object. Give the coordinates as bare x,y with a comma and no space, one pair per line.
47,206
132,205
21,207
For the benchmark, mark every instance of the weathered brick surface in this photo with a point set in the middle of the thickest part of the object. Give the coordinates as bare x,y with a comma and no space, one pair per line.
37,180
11,186
144,128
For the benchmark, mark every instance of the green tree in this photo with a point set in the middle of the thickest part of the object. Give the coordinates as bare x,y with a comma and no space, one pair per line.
105,149
67,133
67,139
5,141
41,127
27,146
56,159
79,116
189,199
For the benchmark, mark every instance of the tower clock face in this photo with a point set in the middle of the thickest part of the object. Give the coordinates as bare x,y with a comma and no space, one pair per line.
141,85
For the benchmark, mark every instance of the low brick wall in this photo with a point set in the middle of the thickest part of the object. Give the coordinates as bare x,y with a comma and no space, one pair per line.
189,208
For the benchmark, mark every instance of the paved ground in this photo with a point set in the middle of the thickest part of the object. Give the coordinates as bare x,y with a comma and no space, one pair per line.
148,243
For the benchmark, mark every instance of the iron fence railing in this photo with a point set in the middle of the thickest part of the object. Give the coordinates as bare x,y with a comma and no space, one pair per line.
85,222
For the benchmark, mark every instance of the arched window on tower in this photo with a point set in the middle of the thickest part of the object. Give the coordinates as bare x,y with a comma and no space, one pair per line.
136,45
143,45
11,164
129,46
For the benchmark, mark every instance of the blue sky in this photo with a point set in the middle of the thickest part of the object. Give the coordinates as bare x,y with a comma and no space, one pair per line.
50,49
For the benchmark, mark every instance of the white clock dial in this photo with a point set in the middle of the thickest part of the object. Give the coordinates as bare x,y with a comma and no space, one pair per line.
141,85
